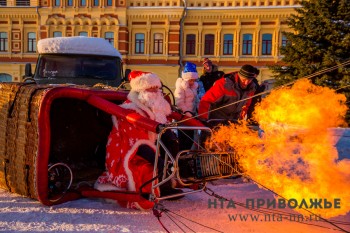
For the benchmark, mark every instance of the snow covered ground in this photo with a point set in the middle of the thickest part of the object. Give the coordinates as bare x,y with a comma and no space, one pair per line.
20,214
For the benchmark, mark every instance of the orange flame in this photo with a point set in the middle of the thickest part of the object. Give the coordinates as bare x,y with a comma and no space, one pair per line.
296,156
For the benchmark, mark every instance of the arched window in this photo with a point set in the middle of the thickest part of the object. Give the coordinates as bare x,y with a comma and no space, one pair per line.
158,43
57,2
5,77
209,44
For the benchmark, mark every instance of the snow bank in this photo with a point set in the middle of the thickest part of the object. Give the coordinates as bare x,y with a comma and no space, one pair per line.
19,214
77,45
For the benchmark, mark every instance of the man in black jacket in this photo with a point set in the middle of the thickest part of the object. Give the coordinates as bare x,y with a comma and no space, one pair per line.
210,74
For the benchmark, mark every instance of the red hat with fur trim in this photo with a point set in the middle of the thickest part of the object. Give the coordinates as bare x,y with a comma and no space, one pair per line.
140,81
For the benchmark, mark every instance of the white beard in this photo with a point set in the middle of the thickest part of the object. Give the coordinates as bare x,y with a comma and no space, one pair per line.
157,104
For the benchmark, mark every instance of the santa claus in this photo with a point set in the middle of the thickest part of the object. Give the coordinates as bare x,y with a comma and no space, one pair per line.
130,151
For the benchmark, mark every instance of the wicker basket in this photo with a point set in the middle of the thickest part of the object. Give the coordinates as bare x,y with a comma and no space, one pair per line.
43,124
19,136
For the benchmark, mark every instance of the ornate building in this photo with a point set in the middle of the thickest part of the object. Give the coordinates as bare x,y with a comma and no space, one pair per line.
152,35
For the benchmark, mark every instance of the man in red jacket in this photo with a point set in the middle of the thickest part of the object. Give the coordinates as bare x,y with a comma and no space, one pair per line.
220,101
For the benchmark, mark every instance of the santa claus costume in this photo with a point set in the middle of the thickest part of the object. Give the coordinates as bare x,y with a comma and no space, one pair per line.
125,170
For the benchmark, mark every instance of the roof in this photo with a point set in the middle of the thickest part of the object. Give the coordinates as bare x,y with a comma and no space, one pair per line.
77,45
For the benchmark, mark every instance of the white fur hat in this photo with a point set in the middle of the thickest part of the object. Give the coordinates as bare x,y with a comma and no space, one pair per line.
190,71
140,81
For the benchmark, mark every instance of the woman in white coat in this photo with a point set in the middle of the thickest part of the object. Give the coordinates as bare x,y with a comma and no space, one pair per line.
186,100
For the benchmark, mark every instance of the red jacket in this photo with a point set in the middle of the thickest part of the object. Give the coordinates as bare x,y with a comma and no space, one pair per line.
217,101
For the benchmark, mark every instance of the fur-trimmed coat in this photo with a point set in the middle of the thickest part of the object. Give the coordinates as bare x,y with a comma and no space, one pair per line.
186,96
124,169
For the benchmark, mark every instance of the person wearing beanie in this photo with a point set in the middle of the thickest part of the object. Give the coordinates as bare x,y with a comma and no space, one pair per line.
210,74
186,89
235,86
129,147
186,99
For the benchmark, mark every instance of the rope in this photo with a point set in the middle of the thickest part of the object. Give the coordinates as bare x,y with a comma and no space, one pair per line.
158,209
276,88
173,220
158,214
190,220
268,211
342,87
192,139
169,215
302,208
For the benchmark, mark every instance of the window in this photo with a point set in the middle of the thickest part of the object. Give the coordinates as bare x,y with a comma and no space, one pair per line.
69,2
228,44
247,44
266,44
109,36
31,42
209,44
3,42
2,2
96,3
82,2
284,40
83,34
191,44
57,34
109,2
5,77
22,2
158,43
57,2
139,43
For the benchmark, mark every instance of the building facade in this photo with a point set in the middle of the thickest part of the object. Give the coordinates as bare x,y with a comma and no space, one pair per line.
151,35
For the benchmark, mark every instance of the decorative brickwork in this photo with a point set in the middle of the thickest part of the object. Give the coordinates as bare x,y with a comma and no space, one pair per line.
218,24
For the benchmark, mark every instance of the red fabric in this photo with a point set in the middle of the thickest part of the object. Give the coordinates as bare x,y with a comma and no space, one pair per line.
124,168
135,74
224,92
121,112
212,95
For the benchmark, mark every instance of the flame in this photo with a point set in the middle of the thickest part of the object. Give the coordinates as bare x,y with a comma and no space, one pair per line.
295,155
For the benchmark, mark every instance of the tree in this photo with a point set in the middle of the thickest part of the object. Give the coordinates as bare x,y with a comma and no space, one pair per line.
321,40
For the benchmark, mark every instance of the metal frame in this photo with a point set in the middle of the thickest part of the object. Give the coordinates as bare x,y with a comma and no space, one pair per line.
170,160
